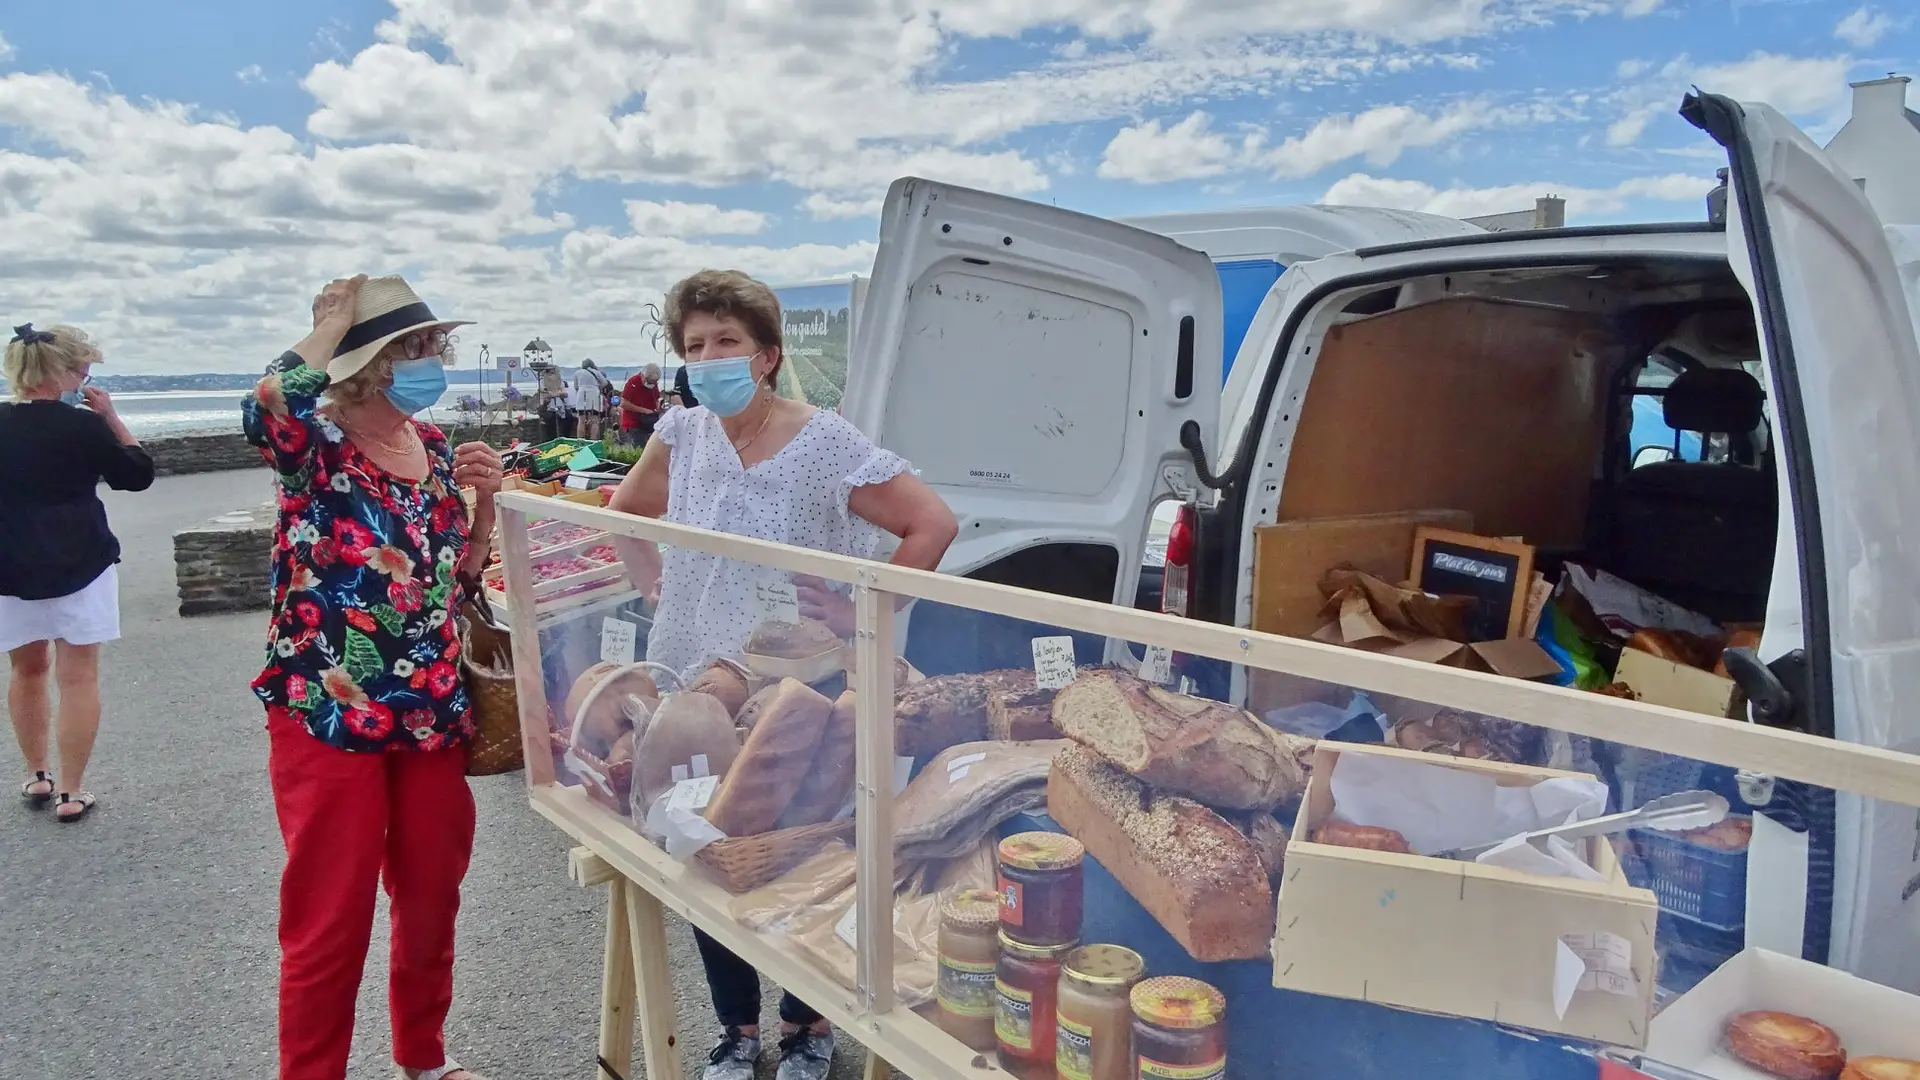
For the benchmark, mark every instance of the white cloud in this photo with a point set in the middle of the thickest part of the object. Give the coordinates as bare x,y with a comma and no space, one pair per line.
649,218
250,74
1150,154
1792,84
1864,28
1361,189
6,49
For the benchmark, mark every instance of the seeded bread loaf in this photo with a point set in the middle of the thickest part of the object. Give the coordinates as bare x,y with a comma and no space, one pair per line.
1219,755
943,711
1017,710
824,790
1198,875
772,762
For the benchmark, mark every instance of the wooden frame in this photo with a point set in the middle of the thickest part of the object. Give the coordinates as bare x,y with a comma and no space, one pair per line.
868,1013
1518,587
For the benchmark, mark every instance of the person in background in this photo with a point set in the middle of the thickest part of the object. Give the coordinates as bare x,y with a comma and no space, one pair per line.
589,398
367,721
59,582
752,463
683,389
556,416
640,406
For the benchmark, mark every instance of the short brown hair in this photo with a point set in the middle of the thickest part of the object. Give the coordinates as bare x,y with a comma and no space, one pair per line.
31,365
725,294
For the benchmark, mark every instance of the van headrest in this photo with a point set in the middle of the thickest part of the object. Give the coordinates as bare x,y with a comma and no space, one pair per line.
1713,400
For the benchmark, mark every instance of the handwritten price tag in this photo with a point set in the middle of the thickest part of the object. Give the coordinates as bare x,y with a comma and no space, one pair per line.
693,794
1053,666
779,601
848,928
617,641
1157,665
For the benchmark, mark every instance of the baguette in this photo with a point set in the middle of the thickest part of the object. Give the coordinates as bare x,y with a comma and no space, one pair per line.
1219,755
773,761
1193,871
824,790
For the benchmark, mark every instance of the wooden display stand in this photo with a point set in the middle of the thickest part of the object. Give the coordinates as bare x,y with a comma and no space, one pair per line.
645,883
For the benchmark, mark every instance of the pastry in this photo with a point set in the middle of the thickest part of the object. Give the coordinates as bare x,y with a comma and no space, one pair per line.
1788,1046
1881,1068
773,761
1369,837
1676,645
1215,753
1729,834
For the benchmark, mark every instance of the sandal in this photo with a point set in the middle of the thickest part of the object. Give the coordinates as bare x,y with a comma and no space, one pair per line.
451,1068
84,801
38,798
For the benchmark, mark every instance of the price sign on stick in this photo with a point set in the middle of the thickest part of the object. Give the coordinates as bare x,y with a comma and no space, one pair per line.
1157,665
617,641
1053,666
779,601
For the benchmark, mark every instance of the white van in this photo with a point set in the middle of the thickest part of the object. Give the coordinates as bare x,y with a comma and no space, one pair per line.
1049,373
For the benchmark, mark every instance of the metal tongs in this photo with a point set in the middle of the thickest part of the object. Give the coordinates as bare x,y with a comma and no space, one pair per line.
1646,1066
1670,813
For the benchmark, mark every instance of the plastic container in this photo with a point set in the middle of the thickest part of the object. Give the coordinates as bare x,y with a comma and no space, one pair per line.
1026,991
1179,1030
1094,1027
969,958
1705,884
1042,890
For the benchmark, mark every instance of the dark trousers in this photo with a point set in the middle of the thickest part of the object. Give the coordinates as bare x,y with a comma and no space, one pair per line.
736,989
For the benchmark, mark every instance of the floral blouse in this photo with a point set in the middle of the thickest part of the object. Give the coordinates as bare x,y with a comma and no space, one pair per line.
362,649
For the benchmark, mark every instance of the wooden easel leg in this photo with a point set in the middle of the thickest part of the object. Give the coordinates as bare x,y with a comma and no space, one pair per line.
876,1068
617,989
659,1034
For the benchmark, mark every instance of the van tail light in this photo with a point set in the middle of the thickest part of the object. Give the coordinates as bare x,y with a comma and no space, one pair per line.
1179,564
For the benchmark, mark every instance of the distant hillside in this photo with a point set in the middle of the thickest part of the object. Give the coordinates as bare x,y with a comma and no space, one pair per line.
229,380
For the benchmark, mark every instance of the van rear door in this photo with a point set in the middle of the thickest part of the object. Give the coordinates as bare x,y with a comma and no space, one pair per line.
1036,366
1838,340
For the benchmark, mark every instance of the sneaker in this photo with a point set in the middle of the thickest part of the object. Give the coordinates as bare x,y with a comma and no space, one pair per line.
732,1057
805,1056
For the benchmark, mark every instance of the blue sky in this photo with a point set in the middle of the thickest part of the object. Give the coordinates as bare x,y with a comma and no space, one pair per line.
180,177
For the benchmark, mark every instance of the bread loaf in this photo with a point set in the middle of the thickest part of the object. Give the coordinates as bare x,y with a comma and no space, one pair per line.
1193,871
727,681
687,726
1788,1046
1219,755
1017,710
605,687
749,713
772,762
824,790
943,711
792,641
1270,839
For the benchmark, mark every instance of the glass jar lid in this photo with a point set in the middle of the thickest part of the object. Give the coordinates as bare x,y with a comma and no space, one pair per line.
1175,1001
972,909
1041,851
1104,966
1034,952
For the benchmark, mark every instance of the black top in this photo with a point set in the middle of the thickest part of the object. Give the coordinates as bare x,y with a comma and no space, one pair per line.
54,538
680,387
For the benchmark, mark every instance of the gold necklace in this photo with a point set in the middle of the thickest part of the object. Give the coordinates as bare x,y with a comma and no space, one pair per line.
741,448
405,445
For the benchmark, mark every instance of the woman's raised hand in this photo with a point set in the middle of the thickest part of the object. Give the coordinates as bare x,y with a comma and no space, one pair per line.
333,308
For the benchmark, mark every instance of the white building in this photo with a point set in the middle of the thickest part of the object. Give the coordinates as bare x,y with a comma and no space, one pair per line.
1880,148
1549,212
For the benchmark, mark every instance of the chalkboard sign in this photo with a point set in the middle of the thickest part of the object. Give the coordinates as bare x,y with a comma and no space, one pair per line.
1495,572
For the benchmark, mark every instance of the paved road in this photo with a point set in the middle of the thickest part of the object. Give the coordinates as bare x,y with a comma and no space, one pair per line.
140,942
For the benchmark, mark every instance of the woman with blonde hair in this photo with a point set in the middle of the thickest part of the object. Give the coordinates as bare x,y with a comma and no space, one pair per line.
367,722
59,588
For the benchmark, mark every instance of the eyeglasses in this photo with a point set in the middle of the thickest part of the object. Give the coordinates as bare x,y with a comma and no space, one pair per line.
426,343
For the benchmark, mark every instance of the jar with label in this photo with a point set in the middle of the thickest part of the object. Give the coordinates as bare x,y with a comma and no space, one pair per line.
969,958
1041,889
1026,993
1094,1023
1179,1030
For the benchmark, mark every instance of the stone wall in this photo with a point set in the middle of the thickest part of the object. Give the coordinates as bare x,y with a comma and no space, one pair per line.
174,455
223,565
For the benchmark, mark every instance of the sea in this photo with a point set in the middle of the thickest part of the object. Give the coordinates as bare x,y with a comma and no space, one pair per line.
186,412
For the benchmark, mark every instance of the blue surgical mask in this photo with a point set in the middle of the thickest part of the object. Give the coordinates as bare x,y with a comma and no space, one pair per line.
73,396
417,384
725,386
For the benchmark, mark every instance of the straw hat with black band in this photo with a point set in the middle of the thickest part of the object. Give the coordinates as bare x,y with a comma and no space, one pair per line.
385,309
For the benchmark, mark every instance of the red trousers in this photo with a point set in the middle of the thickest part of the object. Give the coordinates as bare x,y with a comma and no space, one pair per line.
348,820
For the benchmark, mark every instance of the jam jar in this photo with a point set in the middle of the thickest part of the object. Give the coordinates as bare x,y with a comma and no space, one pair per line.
1094,1018
969,958
1179,1030
1041,889
1026,990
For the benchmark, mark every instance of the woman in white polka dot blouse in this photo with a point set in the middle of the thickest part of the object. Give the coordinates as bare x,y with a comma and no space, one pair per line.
749,462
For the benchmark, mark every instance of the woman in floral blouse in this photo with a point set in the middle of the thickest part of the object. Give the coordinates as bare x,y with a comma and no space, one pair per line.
366,716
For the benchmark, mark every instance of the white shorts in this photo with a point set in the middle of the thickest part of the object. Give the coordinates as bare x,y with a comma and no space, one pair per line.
87,617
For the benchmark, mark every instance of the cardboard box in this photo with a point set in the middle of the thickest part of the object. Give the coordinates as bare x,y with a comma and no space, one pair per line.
1679,686
1457,938
1290,559
1871,1020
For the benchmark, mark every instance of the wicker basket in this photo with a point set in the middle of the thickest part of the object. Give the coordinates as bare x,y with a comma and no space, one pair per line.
744,863
496,746
609,785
